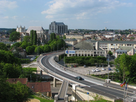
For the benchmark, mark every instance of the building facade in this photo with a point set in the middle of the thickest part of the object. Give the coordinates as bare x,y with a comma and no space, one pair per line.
20,29
58,28
41,34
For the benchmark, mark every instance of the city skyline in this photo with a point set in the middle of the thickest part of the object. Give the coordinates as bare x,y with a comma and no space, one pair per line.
78,14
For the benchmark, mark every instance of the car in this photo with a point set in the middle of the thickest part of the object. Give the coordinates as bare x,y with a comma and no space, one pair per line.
93,70
103,69
79,78
109,69
97,70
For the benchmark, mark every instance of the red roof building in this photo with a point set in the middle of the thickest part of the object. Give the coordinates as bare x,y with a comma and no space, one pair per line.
39,86
15,80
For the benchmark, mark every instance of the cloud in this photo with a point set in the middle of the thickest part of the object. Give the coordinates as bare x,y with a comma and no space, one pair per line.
5,4
14,17
80,9
6,17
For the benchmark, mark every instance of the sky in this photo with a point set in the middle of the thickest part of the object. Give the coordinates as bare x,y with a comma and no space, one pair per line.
77,14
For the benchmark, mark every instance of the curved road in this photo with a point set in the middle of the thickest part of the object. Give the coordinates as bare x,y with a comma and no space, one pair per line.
112,93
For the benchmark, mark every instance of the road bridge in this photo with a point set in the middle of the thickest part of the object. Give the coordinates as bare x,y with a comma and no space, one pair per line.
93,87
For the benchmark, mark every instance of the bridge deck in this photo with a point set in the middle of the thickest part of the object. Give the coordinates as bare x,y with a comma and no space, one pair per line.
63,90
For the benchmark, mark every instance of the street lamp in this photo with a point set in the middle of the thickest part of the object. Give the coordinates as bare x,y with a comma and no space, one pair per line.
108,66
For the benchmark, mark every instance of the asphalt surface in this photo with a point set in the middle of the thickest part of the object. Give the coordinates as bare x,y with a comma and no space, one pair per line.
112,93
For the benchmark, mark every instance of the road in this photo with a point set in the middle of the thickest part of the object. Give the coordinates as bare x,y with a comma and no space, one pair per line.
113,93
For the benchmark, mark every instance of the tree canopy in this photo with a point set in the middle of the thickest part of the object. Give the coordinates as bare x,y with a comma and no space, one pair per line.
14,36
3,46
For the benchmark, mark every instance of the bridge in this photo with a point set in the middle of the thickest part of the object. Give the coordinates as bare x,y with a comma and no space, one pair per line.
46,63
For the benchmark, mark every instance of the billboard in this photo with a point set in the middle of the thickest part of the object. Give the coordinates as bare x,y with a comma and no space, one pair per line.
70,52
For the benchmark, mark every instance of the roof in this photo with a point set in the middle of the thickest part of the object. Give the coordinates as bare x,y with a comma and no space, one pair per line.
58,23
39,86
84,45
15,80
127,48
37,28
115,42
70,40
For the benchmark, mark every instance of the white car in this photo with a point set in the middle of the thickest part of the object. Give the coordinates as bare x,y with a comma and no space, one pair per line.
103,69
93,70
97,70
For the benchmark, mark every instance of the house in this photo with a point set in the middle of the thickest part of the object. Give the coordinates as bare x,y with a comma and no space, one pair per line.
20,51
15,80
43,87
70,42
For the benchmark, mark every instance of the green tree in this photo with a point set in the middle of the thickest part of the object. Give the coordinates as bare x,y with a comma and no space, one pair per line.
24,45
3,46
10,70
46,48
17,44
64,37
58,37
122,64
14,36
30,49
31,36
52,36
110,53
38,50
34,38
26,38
15,92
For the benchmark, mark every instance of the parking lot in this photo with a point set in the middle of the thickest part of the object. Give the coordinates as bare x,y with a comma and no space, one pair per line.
92,70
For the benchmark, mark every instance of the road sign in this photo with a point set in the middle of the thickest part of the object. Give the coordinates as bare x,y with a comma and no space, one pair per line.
87,92
70,52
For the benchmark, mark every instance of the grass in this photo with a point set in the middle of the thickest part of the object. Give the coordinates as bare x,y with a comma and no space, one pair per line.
30,69
40,98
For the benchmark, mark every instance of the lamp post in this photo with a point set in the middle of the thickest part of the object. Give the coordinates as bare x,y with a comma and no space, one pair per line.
108,66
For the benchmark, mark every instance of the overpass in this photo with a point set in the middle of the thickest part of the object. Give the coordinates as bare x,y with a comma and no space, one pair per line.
45,64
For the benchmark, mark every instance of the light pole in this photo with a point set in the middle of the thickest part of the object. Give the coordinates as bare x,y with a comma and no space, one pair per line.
108,66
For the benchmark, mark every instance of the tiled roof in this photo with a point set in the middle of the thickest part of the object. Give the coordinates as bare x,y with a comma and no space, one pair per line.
15,80
39,86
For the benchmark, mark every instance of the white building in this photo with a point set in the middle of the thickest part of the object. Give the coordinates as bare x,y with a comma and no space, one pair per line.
20,29
41,34
58,28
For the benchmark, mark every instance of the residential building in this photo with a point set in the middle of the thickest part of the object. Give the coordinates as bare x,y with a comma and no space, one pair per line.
70,42
58,28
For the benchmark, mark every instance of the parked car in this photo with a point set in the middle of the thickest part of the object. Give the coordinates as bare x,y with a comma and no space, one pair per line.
93,70
109,69
79,78
103,69
97,70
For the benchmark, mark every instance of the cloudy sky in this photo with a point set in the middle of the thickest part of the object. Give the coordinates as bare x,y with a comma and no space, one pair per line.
77,14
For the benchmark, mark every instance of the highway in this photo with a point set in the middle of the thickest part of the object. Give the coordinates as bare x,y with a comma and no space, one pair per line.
113,93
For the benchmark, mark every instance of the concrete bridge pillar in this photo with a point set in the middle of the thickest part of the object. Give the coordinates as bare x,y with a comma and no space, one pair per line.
54,82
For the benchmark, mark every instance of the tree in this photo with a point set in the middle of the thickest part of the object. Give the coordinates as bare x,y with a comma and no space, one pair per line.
110,53
58,37
26,38
3,46
122,64
46,48
14,36
10,70
33,37
15,92
17,44
52,36
30,49
38,50
64,37
24,45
